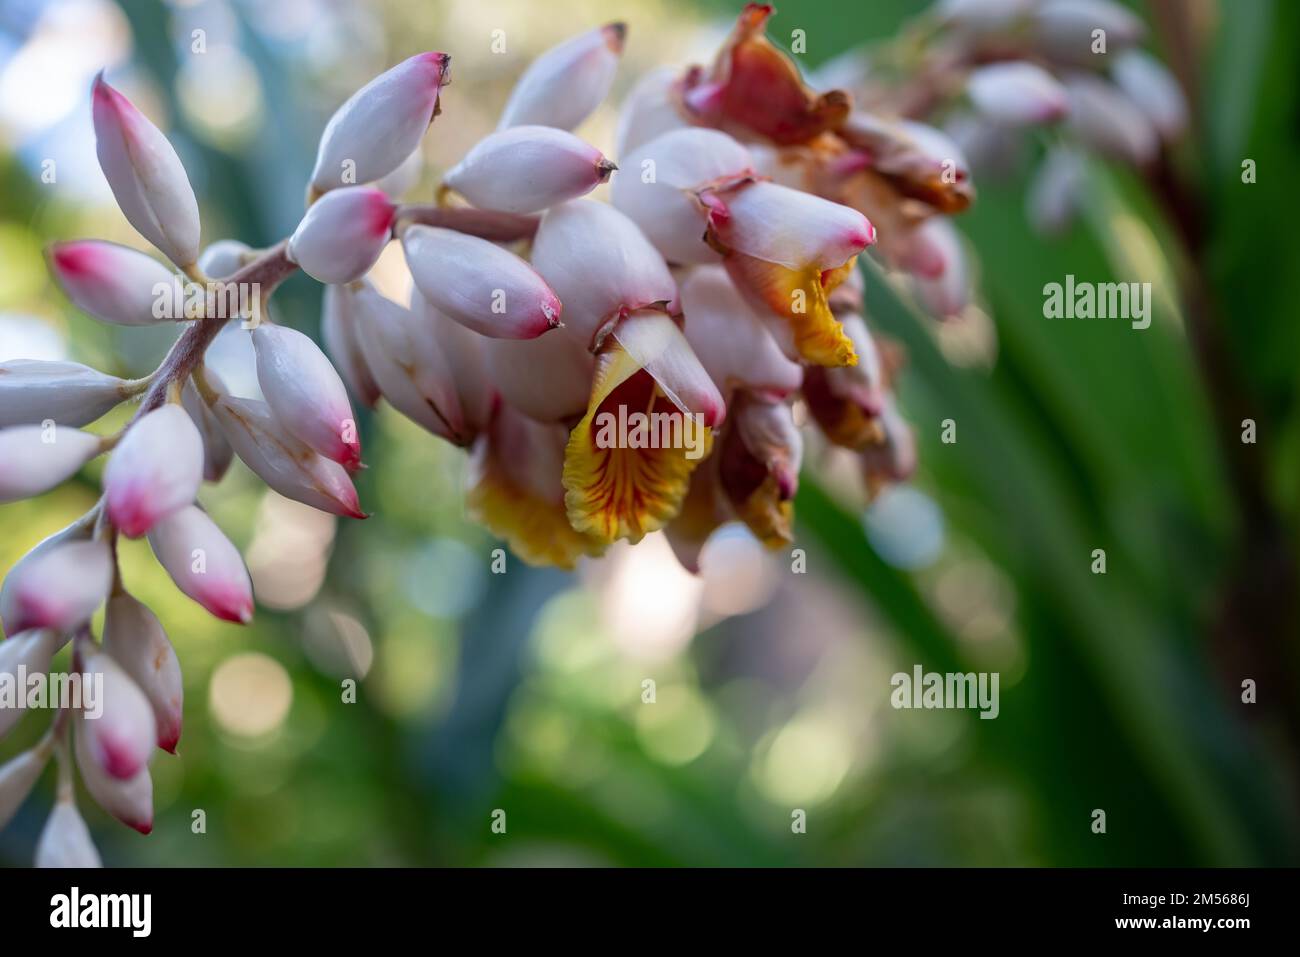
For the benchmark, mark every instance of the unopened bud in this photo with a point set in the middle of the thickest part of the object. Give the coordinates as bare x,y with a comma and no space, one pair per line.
155,469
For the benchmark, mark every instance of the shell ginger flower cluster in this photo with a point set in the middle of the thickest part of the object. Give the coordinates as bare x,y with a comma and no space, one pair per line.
612,368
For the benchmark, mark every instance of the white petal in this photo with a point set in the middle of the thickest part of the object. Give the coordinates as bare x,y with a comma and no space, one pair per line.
381,124
656,184
599,264
129,800
114,283
135,639
65,841
204,564
58,588
525,169
564,85
121,733
155,469
34,459
305,393
730,339
146,176
343,234
32,391
654,341
478,284
1017,93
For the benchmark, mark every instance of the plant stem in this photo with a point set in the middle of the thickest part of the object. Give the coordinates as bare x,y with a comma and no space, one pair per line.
264,274
485,224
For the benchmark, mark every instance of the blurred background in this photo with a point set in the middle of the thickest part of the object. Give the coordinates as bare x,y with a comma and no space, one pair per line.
525,691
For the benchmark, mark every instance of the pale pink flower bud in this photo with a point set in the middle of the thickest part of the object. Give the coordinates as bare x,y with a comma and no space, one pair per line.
649,111
946,293
155,469
1057,191
283,461
305,392
528,168
79,531
338,327
65,841
983,16
381,124
17,778
406,358
564,85
656,188
480,285
732,341
600,265
342,234
146,176
224,258
548,378
466,355
123,736
204,564
1106,120
59,588
217,453
1017,94
792,228
1065,29
1148,83
113,283
32,391
35,458
135,639
31,651
130,800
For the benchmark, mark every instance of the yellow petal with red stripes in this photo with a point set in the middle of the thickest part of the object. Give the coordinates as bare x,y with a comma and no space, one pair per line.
799,297
612,489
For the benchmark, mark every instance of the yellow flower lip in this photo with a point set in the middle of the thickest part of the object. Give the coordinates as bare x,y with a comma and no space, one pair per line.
627,488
